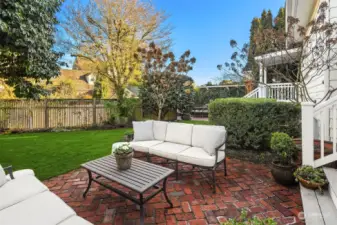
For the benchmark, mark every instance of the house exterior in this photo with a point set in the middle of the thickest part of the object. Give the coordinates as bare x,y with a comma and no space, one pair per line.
318,102
317,85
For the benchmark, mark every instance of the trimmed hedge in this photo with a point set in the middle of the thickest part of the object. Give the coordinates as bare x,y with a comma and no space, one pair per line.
250,122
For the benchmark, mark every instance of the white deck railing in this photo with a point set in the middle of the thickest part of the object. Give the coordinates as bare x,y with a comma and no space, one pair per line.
278,91
319,123
281,91
253,94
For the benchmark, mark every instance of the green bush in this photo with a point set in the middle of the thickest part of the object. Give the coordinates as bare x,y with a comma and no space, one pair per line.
250,122
244,220
283,146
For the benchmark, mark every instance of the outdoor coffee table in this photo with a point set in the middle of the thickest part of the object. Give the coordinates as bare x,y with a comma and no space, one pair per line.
140,177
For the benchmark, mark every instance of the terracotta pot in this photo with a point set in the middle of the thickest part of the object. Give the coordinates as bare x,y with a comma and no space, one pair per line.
310,185
283,174
124,161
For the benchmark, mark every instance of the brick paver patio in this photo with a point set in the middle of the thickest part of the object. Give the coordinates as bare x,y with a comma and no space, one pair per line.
248,186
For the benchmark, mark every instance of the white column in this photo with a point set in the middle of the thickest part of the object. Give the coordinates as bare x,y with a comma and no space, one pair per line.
326,113
262,87
308,133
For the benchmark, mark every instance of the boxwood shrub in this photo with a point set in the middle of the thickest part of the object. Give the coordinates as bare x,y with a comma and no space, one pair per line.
250,122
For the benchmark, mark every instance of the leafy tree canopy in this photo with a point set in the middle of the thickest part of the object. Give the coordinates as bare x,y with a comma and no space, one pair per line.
26,48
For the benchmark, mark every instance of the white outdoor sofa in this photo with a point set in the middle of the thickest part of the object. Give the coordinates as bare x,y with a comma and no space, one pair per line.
199,145
24,200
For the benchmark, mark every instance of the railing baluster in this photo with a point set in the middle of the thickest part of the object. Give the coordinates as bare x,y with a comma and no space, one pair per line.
322,134
334,128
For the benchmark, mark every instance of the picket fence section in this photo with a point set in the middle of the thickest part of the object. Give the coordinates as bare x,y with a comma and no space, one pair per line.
52,113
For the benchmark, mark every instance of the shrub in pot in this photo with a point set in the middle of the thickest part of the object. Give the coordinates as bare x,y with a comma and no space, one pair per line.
128,136
123,155
312,178
285,151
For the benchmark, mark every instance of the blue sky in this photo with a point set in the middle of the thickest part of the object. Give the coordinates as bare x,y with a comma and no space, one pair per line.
206,27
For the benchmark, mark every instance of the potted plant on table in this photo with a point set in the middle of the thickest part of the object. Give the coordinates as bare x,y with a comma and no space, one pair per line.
312,178
123,155
283,166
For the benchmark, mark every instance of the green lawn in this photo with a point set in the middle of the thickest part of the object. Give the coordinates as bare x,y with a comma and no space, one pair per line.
52,154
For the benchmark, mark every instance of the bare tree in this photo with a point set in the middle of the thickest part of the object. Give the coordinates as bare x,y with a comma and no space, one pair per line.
108,33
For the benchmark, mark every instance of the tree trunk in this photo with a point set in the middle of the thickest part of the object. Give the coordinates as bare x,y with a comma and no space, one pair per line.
159,113
120,100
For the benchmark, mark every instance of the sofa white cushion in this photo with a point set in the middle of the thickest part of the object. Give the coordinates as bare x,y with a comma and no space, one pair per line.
21,173
75,220
143,131
20,189
168,150
42,209
208,137
143,146
159,130
199,156
179,133
3,178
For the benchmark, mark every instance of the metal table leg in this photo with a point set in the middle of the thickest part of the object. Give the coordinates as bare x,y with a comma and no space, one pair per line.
165,193
89,184
141,205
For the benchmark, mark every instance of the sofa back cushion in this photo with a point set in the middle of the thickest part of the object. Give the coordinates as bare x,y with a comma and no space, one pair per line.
208,137
179,133
143,131
159,130
2,176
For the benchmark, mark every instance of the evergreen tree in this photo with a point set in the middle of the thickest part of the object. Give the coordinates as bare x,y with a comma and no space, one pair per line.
254,29
26,49
280,20
266,19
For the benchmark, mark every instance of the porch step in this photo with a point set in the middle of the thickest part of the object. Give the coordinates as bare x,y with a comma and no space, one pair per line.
331,175
319,209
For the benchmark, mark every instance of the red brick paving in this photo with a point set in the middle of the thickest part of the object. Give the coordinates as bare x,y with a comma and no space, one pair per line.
248,186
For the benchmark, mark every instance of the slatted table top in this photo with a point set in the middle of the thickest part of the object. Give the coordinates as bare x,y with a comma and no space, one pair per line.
140,177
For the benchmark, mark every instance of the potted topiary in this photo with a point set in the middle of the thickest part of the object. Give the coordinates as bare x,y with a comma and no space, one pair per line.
123,155
312,178
285,151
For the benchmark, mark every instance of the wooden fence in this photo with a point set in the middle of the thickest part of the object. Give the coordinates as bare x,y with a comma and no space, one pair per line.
52,113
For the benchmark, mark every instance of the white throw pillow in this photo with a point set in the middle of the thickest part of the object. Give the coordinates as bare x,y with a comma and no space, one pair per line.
159,130
208,137
180,133
143,131
3,179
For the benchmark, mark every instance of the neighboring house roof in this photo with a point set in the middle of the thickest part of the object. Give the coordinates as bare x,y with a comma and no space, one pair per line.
79,79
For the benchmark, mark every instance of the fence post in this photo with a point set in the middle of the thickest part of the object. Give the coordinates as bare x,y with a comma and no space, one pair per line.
94,111
308,133
46,114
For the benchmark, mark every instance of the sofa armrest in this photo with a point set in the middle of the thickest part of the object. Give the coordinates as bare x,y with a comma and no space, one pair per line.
9,170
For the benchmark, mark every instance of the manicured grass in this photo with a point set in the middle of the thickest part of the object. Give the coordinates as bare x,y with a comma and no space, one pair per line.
52,154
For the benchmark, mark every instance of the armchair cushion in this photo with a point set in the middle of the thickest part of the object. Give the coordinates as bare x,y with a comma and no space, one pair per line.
143,131
179,133
20,173
198,156
3,179
208,137
159,130
75,220
42,209
20,189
